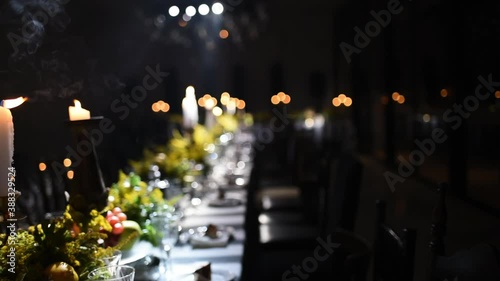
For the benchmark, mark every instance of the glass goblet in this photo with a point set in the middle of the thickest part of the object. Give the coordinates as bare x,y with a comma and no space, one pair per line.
167,230
112,258
112,273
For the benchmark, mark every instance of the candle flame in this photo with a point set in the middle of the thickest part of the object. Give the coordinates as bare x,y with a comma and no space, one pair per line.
78,103
12,103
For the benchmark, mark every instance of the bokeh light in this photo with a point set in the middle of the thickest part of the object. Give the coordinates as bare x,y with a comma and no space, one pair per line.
217,111
443,93
336,102
224,34
287,99
42,166
275,99
174,11
217,8
190,11
203,9
67,162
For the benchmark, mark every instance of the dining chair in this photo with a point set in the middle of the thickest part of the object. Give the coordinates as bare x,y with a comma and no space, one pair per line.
340,211
341,255
296,194
479,262
351,260
393,253
310,202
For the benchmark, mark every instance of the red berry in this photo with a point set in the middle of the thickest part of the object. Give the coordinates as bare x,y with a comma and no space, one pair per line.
122,216
113,220
117,210
109,214
117,228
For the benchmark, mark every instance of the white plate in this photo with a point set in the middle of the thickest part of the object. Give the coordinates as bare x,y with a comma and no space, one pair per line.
226,202
217,275
200,240
140,250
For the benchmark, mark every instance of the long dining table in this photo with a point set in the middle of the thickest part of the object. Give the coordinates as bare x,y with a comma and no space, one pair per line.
199,211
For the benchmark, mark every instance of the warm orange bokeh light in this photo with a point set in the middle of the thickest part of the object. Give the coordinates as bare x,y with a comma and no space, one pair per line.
241,104
70,175
223,34
444,93
395,96
497,94
67,162
342,98
201,102
281,96
275,99
182,23
42,167
348,102
336,102
206,97
287,99
165,107
401,99
155,107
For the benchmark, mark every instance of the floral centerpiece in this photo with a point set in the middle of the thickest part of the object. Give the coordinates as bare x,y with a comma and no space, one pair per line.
64,248
177,157
138,200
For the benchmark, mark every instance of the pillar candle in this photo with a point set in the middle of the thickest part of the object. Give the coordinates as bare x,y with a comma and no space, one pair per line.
6,147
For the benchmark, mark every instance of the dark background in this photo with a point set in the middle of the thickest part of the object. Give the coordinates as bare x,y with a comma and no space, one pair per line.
95,51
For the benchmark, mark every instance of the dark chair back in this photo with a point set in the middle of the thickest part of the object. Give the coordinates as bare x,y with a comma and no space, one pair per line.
351,258
393,253
342,195
479,262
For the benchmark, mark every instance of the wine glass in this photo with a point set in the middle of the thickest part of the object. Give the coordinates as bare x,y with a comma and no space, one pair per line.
112,258
167,229
112,273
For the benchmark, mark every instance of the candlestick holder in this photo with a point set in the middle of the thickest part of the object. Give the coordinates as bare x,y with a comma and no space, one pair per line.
87,189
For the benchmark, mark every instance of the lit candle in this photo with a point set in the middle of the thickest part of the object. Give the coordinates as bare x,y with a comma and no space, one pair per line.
209,116
77,112
6,148
231,106
189,109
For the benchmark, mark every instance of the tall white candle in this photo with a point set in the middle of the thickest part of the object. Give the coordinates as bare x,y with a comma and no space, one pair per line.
209,116
189,108
231,106
6,147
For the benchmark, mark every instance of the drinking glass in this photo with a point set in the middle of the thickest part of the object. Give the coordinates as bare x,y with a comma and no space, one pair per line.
112,258
112,273
167,226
